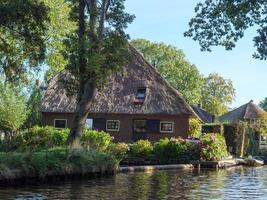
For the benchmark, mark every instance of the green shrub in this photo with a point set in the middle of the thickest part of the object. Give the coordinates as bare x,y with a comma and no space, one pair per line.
119,150
44,138
175,150
213,147
99,141
194,127
141,149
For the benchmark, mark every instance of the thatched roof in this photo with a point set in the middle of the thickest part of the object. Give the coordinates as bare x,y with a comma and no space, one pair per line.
205,116
119,94
244,112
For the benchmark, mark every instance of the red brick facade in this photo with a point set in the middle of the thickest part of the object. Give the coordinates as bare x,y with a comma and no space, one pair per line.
126,133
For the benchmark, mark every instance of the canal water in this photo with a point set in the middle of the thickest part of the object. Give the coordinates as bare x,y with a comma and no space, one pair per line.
234,183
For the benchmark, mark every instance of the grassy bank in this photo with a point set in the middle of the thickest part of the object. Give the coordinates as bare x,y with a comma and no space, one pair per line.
41,153
56,162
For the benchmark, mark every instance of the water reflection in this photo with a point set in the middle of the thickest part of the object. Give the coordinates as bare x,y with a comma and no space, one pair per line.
235,183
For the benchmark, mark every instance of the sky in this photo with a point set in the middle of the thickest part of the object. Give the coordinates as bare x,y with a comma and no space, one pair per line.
167,20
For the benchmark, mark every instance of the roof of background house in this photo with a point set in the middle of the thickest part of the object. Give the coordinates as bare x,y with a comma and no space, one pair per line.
246,111
205,116
119,94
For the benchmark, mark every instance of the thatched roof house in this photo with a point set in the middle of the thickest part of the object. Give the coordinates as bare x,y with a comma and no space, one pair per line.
136,102
247,112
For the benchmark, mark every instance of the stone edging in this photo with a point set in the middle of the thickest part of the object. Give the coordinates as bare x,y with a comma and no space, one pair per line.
154,167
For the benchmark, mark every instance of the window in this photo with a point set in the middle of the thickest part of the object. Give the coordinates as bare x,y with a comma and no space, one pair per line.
60,123
113,125
141,94
253,121
139,126
89,123
166,127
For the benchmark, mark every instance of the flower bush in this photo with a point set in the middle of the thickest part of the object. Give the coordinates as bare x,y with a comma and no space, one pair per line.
119,150
213,147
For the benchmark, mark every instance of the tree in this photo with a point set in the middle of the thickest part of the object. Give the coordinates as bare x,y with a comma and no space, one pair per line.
22,30
96,50
218,93
13,109
174,67
58,27
263,104
34,104
223,23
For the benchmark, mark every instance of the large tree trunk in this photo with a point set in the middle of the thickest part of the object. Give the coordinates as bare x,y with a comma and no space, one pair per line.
87,86
81,113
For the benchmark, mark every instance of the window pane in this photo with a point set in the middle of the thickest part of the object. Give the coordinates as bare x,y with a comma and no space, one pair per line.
113,125
60,123
140,126
89,123
166,126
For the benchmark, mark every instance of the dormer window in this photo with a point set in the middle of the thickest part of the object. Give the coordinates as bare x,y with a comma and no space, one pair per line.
140,95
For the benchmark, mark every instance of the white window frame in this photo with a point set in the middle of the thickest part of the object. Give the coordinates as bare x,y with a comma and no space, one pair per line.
162,122
66,124
107,121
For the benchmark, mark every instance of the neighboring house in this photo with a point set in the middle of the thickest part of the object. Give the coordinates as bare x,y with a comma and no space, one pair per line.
205,116
249,112
139,104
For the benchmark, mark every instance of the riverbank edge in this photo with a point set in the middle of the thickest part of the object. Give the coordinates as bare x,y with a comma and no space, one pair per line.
19,177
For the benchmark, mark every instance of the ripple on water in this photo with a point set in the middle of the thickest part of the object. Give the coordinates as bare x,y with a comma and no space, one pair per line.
237,183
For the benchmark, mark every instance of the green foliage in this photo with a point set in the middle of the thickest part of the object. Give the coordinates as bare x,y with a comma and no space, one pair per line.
58,27
44,138
195,127
174,67
217,94
99,141
13,110
22,31
224,23
59,161
34,104
263,104
213,147
175,150
119,150
141,149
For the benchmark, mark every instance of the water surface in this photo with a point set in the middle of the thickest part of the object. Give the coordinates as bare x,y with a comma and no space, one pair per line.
234,183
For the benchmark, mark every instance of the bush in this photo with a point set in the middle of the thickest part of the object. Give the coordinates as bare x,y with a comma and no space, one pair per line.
175,150
119,150
99,141
141,149
213,147
44,138
194,128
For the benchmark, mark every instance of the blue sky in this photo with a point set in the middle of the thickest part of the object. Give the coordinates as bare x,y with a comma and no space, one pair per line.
167,20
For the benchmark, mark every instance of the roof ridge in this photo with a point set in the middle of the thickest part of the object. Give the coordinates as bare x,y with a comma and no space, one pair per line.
246,111
165,81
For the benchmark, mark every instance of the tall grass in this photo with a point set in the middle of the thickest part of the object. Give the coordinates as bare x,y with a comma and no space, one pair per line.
56,161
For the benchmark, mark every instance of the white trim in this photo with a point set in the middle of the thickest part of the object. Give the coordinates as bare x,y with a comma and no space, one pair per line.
169,122
107,121
66,122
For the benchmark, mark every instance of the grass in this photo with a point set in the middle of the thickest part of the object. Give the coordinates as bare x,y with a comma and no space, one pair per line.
53,162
